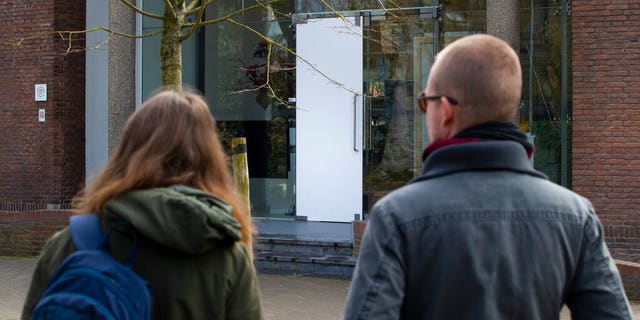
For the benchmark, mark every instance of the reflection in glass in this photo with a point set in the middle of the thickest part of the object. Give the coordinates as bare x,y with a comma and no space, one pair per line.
399,50
541,57
316,6
541,108
400,45
248,82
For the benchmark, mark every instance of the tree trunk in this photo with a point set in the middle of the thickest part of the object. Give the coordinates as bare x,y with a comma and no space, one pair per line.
397,160
171,46
503,21
398,146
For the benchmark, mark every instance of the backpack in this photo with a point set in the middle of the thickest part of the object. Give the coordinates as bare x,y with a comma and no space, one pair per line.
91,284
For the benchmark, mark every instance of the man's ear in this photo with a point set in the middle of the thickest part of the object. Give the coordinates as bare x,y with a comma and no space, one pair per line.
449,113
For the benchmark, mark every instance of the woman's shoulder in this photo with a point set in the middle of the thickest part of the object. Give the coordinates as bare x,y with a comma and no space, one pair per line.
233,257
56,249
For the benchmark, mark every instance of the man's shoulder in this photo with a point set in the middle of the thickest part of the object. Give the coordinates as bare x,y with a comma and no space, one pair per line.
407,202
550,192
470,190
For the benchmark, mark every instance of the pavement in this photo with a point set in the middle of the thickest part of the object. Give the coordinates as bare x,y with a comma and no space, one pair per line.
284,297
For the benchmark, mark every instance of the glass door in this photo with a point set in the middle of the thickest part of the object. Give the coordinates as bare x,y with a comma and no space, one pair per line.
399,49
329,119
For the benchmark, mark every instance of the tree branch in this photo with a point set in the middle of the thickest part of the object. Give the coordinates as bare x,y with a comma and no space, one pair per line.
196,24
71,33
235,13
269,40
268,83
140,11
342,17
191,5
168,4
332,9
191,10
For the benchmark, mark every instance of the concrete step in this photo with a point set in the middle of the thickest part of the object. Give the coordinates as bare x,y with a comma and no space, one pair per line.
304,257
303,248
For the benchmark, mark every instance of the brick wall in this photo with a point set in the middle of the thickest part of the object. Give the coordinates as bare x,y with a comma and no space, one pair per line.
630,274
25,233
358,232
41,164
606,112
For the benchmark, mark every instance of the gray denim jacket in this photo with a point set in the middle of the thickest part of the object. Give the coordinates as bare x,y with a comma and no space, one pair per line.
481,235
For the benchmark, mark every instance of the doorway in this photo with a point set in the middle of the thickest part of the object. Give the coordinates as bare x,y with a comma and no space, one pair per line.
359,132
400,47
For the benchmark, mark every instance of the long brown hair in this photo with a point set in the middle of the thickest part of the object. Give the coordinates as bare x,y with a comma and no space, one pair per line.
171,139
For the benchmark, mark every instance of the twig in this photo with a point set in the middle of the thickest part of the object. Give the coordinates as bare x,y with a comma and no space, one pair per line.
196,24
191,10
69,38
235,13
191,5
268,83
140,11
168,4
269,40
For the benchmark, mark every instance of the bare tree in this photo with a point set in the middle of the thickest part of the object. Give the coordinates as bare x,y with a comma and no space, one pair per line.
180,20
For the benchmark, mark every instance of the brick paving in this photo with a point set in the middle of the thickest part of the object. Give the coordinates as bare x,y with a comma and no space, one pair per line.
284,297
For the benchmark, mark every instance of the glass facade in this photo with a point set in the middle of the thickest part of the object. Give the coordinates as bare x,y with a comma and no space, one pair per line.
250,84
546,107
400,46
545,55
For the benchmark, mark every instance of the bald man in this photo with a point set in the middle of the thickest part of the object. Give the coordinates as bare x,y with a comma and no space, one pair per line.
480,234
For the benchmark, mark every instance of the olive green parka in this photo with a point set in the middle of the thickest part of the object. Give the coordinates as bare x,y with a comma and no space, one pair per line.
188,248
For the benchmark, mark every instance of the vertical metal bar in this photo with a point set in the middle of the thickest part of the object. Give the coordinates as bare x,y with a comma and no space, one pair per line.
436,33
365,126
200,57
138,58
369,122
355,122
563,97
531,72
366,24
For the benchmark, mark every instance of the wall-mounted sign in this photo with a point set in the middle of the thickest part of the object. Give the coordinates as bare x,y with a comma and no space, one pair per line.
41,92
41,115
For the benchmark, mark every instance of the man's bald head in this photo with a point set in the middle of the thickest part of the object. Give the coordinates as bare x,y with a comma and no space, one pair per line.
483,73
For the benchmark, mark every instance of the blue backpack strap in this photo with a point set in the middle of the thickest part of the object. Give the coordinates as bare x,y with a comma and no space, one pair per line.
86,231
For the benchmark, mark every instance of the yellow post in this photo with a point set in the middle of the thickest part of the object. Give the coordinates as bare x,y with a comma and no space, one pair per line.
241,174
241,168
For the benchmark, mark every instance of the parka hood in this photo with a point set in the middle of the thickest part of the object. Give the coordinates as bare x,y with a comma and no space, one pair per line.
186,219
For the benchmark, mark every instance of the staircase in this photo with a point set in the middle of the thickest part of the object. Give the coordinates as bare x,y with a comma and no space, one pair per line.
304,248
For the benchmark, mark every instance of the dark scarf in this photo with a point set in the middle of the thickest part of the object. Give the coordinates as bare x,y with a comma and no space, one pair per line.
494,130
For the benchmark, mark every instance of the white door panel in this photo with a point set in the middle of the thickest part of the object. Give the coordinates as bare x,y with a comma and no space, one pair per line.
329,119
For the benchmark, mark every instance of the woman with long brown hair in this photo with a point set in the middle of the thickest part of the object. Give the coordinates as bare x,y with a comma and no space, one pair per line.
169,178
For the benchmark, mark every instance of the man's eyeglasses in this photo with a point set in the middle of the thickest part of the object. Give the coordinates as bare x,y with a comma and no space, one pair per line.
422,100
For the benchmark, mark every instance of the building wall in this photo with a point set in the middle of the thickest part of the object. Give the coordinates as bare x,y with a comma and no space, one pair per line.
606,113
97,88
111,80
41,163
24,233
122,76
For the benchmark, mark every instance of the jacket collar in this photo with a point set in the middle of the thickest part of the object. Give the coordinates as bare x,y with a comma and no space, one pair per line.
477,156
